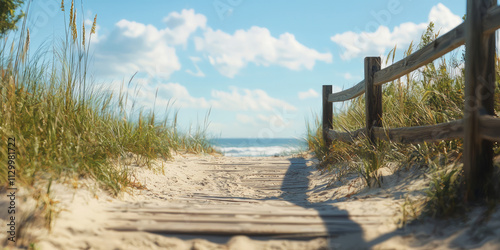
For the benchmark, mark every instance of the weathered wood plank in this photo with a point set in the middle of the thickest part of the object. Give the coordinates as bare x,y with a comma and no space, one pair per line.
442,45
250,210
349,93
373,97
235,229
232,219
479,96
490,127
327,120
416,134
492,20
349,136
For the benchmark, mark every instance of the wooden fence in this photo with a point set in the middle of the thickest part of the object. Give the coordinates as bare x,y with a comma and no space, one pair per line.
479,127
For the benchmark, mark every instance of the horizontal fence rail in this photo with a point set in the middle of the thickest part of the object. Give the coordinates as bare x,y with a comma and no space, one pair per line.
489,125
490,128
416,134
427,54
479,128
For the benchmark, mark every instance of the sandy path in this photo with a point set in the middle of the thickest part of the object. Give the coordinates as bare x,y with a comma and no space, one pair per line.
91,219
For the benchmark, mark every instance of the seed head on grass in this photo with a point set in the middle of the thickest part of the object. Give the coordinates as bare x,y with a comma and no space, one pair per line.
83,35
94,24
71,12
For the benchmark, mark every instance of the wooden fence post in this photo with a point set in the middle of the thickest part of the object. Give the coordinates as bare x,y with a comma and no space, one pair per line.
327,114
479,98
373,97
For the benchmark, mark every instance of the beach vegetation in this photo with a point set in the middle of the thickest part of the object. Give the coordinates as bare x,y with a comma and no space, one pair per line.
430,95
65,126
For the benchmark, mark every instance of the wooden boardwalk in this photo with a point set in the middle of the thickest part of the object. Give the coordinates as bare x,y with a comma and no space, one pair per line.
279,208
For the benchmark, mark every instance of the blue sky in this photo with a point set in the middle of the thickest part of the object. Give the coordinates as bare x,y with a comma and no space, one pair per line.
258,65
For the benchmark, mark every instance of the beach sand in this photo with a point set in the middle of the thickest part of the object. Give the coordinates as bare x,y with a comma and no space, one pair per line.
86,210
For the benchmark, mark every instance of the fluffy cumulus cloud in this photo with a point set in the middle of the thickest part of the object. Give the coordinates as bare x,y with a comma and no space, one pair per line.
229,53
136,47
247,99
357,44
180,26
311,93
177,95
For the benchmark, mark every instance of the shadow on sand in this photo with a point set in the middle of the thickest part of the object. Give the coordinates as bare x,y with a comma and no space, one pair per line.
343,233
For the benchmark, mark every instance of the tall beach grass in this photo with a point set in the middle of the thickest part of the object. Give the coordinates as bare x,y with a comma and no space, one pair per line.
65,128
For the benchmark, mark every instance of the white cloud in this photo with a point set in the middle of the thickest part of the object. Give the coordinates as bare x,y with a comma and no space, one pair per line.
198,72
311,93
376,43
181,25
180,95
136,47
443,18
246,99
164,95
347,76
230,53
177,95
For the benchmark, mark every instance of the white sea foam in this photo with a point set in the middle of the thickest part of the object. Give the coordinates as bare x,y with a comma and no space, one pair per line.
256,151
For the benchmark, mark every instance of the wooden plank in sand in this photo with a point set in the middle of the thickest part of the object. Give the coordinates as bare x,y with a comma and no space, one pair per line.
239,219
235,228
250,210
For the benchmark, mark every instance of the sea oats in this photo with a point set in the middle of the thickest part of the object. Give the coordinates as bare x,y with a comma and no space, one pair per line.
71,13
83,35
92,31
27,39
73,26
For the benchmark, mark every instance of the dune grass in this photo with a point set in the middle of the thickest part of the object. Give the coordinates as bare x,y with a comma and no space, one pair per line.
66,128
433,94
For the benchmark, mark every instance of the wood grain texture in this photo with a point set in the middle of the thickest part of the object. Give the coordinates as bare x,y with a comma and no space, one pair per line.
492,20
373,97
327,114
300,221
349,93
479,94
444,44
349,136
235,228
490,127
416,134
439,47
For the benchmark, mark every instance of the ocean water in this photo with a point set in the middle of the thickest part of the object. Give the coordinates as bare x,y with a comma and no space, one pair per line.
237,147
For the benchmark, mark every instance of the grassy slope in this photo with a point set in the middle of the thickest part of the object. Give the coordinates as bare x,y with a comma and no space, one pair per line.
64,127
